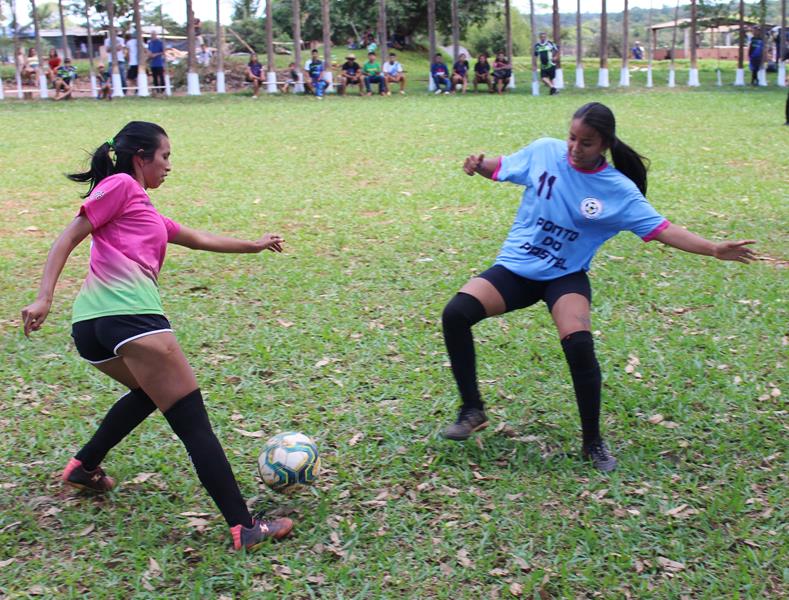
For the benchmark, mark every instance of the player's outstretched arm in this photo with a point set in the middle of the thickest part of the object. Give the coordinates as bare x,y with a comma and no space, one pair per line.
203,240
477,163
681,238
34,315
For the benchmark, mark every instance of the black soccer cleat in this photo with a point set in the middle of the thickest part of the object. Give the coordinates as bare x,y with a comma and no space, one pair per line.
601,457
469,420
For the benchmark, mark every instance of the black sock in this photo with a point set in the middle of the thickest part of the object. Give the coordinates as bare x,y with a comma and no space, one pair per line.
579,350
189,421
459,315
130,410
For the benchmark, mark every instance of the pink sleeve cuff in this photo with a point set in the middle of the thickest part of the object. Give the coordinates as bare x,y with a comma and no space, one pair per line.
656,231
495,176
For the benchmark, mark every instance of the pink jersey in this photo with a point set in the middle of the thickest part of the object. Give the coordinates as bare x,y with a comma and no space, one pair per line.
129,243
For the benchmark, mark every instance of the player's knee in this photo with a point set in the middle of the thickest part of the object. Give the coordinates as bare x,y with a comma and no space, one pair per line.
462,309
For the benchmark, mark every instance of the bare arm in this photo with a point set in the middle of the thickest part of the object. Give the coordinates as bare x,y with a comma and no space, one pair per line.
34,315
479,164
681,238
203,240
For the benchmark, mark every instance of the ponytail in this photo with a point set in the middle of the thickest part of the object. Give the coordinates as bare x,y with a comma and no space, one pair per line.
630,163
627,161
137,138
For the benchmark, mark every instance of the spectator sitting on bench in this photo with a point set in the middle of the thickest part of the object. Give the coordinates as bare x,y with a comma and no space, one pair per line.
440,74
502,71
373,74
393,73
350,74
460,73
482,72
27,65
54,62
104,82
66,74
255,74
315,72
292,80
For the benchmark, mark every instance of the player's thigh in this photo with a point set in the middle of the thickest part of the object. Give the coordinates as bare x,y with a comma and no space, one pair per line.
487,294
160,367
118,370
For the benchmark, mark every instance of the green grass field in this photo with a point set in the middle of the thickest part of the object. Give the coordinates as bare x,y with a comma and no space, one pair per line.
340,338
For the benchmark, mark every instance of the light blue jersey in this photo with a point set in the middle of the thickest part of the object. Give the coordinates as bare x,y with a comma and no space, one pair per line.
566,214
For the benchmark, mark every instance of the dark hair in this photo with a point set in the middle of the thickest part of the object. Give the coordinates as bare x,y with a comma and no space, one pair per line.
137,137
632,165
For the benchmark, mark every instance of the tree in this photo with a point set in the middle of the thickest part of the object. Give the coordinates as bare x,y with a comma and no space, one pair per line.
245,9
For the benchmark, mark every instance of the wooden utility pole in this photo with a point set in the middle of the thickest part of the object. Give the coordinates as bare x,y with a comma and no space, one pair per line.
508,29
220,41
66,53
455,30
603,37
382,29
326,34
557,33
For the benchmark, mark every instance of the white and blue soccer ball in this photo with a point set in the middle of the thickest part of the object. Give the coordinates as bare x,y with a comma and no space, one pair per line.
289,461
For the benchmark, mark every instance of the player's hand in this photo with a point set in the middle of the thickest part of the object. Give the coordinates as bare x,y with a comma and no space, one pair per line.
34,315
271,241
472,163
738,251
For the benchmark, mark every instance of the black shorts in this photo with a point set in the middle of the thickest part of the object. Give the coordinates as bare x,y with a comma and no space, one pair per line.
132,72
520,292
549,72
97,340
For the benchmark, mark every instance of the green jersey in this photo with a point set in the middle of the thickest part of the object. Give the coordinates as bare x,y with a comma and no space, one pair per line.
373,68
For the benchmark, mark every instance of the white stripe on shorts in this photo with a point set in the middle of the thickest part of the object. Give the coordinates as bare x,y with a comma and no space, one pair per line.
139,335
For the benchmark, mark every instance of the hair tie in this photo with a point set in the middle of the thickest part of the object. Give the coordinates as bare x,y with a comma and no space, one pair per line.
111,143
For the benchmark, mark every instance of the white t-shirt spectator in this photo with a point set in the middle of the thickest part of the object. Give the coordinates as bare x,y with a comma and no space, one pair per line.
132,47
118,49
392,68
204,57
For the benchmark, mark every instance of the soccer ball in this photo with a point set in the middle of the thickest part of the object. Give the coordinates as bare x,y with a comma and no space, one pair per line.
289,461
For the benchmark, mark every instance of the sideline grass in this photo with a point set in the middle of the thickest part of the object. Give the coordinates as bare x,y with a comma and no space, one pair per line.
340,338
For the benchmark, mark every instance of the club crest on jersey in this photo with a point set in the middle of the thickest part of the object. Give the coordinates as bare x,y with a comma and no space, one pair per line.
591,208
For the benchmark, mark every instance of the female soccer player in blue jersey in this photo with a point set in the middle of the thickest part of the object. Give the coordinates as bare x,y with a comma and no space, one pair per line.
573,202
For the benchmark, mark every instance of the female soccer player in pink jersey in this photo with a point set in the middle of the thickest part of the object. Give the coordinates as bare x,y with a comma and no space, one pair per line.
118,321
572,203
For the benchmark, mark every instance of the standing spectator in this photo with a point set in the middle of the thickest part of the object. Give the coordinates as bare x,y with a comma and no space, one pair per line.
315,72
372,74
255,74
64,77
116,54
83,50
156,57
440,74
502,71
350,74
545,50
482,72
133,56
198,26
755,51
54,62
204,56
393,73
460,73
637,51
103,81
